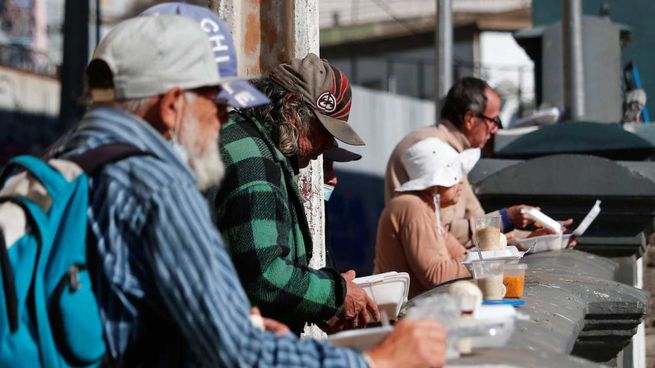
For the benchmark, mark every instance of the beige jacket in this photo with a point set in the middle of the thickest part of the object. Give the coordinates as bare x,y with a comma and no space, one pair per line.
408,241
456,218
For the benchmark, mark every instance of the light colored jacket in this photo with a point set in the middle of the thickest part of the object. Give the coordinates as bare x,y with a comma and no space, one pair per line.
456,218
408,241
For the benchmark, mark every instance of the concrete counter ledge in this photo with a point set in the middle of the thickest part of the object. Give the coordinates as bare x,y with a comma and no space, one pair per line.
579,316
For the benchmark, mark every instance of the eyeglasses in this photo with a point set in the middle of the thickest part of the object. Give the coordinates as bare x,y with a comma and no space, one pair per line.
210,94
496,121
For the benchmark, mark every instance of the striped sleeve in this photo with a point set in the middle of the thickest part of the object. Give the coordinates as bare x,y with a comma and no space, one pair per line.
198,285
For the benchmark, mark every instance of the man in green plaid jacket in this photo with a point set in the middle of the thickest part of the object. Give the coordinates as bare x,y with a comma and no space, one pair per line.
259,209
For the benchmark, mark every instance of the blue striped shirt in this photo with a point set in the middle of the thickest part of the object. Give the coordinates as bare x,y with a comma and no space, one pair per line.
168,292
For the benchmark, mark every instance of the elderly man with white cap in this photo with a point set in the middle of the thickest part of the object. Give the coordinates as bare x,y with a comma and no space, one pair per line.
411,237
167,290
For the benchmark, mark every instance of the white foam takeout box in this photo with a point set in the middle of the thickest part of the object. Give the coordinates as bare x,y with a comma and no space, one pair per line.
545,243
558,240
491,326
361,339
388,290
493,261
509,253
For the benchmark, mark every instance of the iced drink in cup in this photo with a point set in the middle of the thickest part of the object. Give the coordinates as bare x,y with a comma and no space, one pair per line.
490,281
514,280
492,287
486,232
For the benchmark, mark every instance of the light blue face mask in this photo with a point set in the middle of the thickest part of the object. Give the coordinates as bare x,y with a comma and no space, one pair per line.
177,146
180,151
327,191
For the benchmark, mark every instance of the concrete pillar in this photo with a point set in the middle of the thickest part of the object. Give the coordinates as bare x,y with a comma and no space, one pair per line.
267,33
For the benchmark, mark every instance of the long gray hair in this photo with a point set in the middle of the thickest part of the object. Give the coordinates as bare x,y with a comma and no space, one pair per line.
287,113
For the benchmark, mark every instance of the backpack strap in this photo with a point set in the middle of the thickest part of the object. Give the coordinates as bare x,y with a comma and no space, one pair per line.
35,220
8,285
91,162
96,158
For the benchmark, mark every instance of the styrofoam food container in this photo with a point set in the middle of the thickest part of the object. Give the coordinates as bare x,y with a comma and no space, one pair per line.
362,339
485,268
547,222
388,290
509,253
491,326
545,243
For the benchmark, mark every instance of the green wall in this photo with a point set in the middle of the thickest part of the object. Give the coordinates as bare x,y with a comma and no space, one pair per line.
638,14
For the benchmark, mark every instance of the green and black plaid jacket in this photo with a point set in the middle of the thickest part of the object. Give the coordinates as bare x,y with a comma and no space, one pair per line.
260,214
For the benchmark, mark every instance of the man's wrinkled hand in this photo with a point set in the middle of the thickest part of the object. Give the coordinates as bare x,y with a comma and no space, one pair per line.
267,324
412,343
565,224
358,308
518,218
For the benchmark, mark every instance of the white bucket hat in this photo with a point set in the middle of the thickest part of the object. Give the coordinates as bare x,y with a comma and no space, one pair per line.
432,162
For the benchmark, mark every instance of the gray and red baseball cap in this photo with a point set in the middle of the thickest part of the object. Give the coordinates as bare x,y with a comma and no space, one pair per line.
235,90
325,89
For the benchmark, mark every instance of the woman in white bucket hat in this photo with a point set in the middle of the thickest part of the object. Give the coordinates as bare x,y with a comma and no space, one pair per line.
410,237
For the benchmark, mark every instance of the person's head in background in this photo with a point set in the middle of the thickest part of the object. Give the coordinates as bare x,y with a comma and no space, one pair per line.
435,168
310,104
474,108
336,154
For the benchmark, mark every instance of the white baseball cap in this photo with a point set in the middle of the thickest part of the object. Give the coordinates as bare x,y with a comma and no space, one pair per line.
236,90
432,162
149,55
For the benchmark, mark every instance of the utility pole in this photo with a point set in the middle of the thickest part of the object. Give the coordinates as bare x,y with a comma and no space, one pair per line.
443,60
573,63
98,22
76,53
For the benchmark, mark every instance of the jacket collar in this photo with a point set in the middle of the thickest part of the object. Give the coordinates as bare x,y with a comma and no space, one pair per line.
265,129
453,136
102,125
290,167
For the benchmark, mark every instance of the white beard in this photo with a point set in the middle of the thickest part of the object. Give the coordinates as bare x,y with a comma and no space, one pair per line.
206,162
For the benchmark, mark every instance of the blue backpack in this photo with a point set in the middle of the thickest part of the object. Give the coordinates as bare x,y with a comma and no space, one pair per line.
48,313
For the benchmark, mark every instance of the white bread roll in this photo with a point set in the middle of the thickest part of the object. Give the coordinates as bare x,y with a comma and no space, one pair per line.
468,293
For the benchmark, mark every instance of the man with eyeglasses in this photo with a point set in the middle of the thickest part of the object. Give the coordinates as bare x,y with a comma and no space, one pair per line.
469,118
